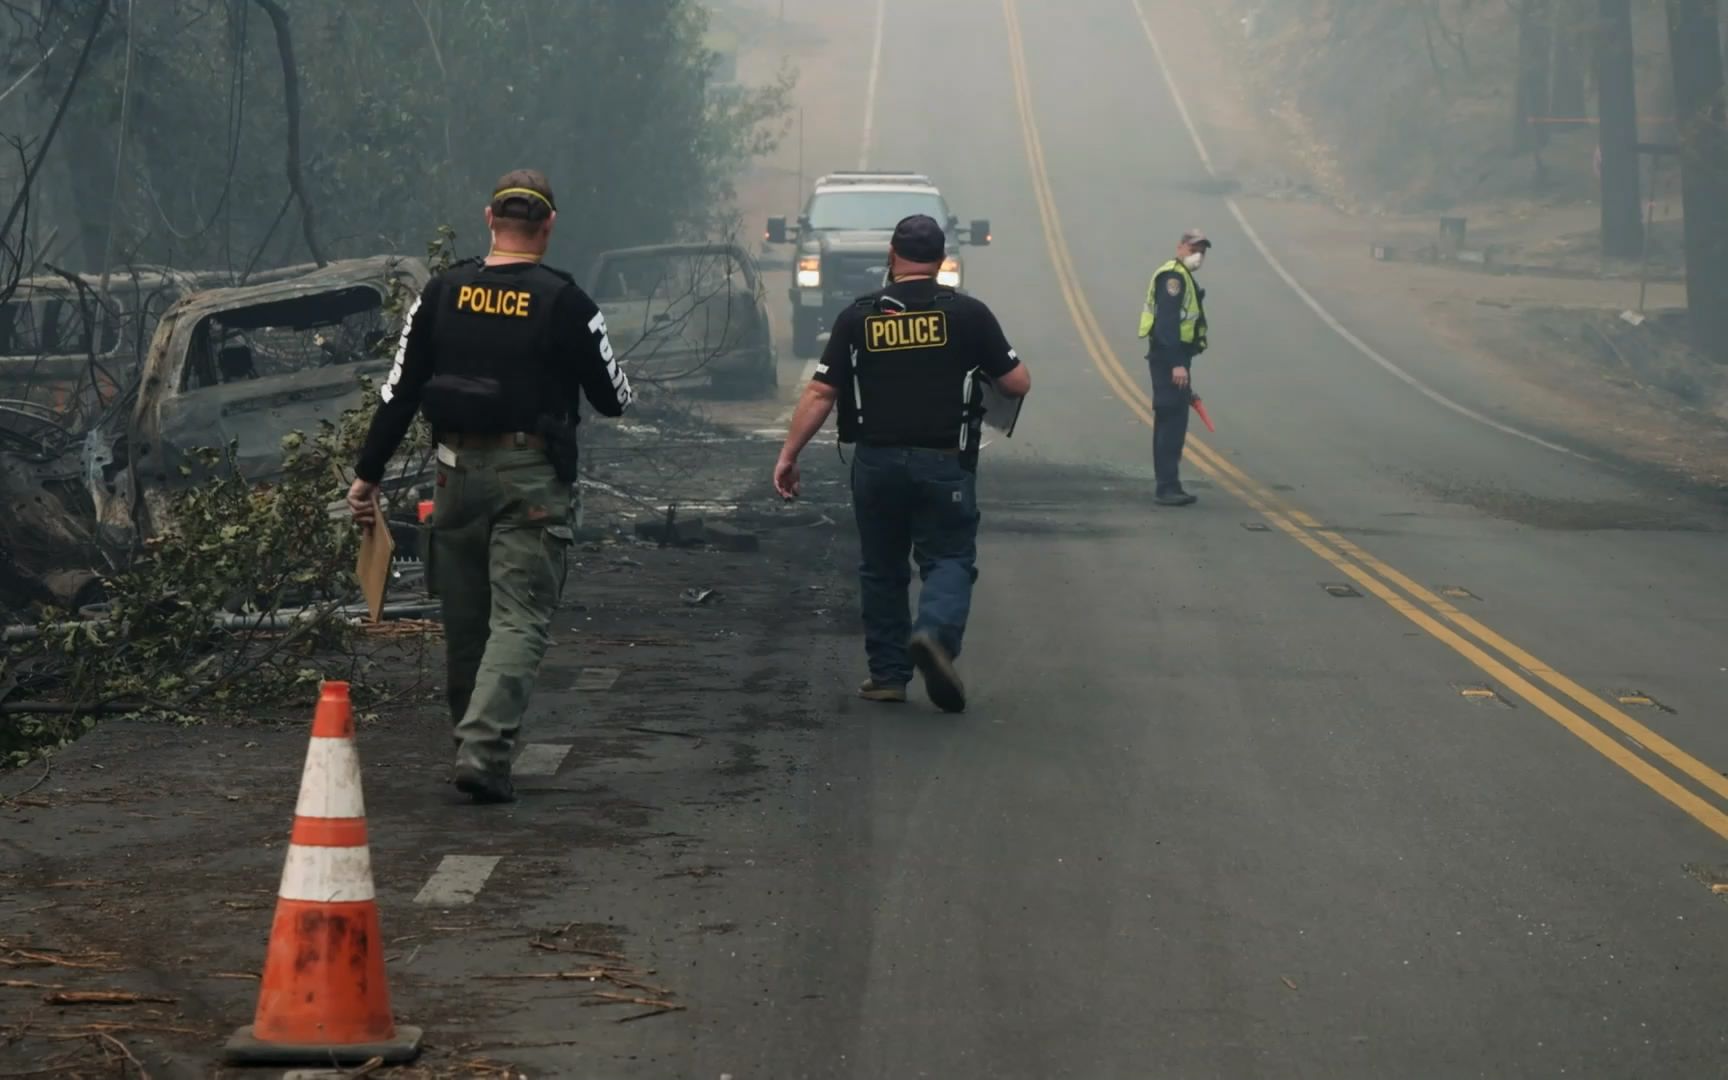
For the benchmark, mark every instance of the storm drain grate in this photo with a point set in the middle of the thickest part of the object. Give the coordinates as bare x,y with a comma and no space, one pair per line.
1340,590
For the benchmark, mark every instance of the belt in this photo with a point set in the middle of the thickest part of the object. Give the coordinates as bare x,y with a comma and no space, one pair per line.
911,446
498,440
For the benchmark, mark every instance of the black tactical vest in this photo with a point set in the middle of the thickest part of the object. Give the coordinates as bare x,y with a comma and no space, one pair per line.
909,373
493,348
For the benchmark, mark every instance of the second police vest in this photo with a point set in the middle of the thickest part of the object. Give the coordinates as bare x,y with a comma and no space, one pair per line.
493,343
909,375
1193,310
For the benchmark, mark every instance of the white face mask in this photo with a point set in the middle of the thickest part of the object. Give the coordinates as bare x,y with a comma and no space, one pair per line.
1194,260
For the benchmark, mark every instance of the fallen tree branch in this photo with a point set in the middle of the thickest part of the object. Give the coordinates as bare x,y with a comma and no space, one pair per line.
47,767
102,1038
104,997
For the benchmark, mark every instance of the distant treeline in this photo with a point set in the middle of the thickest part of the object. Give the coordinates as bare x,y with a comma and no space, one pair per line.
226,133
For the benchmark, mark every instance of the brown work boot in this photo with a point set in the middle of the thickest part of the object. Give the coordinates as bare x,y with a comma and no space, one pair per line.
888,693
483,786
941,681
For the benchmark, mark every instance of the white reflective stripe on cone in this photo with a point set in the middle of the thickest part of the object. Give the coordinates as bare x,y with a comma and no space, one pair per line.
331,875
330,786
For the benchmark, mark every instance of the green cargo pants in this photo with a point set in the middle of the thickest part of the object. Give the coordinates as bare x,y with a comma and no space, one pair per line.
500,534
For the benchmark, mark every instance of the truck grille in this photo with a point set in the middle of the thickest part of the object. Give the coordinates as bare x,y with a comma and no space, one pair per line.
854,275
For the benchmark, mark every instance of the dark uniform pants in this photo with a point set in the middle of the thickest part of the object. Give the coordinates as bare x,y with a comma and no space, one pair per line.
919,504
1170,405
501,533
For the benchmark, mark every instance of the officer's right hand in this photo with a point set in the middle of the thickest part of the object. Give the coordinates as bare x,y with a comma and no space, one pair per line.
787,480
363,502
1180,377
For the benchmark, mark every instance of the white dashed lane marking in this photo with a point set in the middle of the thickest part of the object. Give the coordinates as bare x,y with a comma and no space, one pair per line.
458,880
597,678
541,759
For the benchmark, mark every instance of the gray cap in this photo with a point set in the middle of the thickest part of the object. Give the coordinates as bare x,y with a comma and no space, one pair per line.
1194,238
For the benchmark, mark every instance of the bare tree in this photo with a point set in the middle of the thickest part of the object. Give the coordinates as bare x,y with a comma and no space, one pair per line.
14,245
1617,112
1566,95
1702,119
1530,99
16,241
291,104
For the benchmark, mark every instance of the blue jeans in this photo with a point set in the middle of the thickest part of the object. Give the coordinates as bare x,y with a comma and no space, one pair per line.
913,504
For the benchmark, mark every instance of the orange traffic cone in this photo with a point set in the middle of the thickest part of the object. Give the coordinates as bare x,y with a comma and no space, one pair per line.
324,999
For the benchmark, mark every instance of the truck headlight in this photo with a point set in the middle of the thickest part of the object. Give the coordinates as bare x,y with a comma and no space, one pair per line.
810,272
949,276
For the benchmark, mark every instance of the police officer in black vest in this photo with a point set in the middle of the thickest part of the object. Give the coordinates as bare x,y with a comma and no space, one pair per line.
497,352
903,366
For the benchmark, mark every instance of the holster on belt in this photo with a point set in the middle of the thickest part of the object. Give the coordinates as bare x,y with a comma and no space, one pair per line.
562,448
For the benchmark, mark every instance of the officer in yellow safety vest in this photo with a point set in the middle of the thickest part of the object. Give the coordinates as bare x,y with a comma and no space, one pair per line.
1174,323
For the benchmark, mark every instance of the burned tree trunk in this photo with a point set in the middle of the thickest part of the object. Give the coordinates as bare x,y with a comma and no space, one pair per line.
1567,94
1617,111
1702,123
1530,100
291,104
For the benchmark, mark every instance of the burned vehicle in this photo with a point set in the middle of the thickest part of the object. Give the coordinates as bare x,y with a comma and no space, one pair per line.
69,351
244,366
842,238
683,313
67,343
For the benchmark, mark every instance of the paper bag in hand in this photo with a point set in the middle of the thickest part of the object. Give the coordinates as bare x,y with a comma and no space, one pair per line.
373,566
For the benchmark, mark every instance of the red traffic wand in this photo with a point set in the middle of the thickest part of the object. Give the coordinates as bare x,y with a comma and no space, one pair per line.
1200,408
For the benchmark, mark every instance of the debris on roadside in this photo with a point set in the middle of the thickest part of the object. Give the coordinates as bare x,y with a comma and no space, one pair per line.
655,1006
669,734
696,597
19,955
724,537
105,997
671,530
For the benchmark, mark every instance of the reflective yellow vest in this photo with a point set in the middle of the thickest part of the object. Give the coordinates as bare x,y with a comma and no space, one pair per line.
1193,314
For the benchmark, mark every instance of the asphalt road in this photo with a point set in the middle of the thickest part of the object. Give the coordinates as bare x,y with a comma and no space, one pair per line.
1206,818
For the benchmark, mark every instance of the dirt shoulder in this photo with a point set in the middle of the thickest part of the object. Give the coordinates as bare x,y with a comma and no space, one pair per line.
1638,397
682,688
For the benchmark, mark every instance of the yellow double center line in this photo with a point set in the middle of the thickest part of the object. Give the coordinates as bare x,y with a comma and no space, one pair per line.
1512,667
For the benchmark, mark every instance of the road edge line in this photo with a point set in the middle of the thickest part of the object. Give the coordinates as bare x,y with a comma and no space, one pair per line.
1308,300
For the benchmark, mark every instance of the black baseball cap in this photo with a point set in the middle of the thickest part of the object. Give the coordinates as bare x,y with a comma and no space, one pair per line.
920,239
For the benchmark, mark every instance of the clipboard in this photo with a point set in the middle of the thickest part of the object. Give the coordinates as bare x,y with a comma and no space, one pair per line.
1000,411
373,566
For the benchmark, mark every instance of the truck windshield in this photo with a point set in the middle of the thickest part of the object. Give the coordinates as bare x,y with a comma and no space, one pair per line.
878,210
